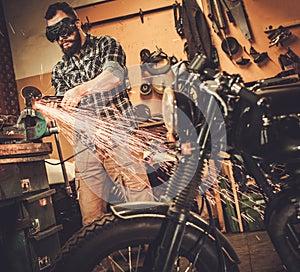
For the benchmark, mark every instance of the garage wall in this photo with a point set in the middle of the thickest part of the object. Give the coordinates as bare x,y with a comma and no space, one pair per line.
32,53
34,56
157,29
261,15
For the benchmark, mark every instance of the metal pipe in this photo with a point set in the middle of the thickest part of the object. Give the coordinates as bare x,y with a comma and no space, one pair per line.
140,13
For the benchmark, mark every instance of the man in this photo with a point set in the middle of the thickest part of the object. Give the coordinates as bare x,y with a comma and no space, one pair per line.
91,78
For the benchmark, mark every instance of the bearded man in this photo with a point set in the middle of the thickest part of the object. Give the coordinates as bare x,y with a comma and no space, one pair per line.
91,78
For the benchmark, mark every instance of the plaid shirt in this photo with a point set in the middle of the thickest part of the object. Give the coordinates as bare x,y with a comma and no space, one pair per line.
95,54
93,58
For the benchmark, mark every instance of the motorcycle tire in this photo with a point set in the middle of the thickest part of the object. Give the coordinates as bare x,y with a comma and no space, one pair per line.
283,226
115,244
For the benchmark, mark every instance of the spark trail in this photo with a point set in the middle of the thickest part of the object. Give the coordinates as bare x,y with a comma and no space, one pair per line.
105,134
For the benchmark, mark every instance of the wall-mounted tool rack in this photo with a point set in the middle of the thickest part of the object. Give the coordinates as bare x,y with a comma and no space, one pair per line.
141,13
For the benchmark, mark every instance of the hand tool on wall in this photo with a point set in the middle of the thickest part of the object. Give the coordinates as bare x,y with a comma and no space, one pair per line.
279,36
289,60
220,27
216,15
292,24
228,12
177,9
220,16
258,57
239,16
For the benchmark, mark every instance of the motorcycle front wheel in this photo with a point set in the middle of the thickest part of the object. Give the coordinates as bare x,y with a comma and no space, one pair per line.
115,244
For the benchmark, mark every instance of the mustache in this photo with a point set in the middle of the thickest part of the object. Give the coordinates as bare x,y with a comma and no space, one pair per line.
68,40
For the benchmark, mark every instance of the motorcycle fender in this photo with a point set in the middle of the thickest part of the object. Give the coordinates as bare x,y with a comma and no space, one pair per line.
157,209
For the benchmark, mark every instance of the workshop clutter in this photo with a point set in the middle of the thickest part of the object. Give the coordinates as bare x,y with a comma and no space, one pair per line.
236,15
156,71
249,205
222,15
252,205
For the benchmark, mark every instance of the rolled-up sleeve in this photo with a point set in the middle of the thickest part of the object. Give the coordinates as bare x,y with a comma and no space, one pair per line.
113,56
115,68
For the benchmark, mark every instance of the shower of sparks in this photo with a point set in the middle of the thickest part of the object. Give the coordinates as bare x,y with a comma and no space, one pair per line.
12,28
217,183
108,133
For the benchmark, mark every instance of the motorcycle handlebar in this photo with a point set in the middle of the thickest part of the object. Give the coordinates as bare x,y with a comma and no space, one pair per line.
52,98
245,94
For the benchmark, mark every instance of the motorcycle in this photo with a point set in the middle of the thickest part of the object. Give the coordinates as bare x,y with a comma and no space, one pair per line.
213,112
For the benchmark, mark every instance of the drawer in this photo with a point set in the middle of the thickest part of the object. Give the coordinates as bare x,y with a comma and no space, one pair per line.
17,179
44,247
33,176
22,254
39,209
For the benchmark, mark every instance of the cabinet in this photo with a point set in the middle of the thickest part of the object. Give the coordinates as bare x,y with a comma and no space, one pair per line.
29,235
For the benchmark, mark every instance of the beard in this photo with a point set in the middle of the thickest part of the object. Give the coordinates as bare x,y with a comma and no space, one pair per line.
75,47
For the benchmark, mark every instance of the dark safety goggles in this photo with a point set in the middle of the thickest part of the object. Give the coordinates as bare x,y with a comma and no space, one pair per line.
63,28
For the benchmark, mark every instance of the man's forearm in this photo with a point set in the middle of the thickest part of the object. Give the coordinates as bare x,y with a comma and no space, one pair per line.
102,83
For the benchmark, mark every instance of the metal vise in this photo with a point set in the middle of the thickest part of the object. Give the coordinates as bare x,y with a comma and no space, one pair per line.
31,124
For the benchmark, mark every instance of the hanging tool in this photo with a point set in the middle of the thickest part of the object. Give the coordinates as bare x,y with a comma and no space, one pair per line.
243,61
258,57
215,24
279,36
228,12
220,16
216,15
230,45
177,10
271,28
220,27
289,60
238,12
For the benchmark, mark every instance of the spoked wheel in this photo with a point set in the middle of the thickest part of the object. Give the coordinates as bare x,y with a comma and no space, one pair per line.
131,258
114,244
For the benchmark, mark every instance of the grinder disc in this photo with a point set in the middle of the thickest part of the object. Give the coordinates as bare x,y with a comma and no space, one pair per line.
31,92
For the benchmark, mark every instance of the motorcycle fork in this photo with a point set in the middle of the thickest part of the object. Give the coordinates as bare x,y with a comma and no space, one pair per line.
164,251
172,231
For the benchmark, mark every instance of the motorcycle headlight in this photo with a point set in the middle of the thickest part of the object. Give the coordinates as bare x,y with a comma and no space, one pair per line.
169,110
181,115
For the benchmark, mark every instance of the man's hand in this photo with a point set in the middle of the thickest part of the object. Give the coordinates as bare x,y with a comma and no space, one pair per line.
73,96
101,83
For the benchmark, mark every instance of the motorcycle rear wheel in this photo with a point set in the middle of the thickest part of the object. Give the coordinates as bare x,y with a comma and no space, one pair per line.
115,244
283,225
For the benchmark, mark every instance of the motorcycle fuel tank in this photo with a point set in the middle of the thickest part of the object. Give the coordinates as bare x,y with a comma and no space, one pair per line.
273,135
